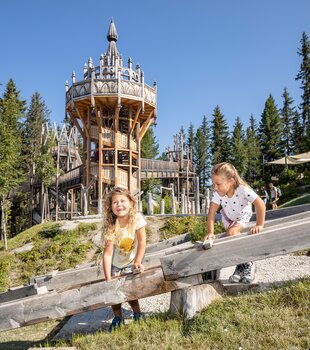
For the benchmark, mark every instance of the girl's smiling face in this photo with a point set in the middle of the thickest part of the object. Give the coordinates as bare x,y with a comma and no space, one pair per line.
121,205
223,186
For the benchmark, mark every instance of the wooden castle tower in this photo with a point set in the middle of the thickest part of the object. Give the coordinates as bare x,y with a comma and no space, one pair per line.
112,108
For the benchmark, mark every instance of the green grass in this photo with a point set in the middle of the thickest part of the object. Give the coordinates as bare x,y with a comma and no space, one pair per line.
277,319
305,199
53,248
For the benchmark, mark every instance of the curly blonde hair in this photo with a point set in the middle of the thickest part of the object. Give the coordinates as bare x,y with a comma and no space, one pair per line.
109,218
230,172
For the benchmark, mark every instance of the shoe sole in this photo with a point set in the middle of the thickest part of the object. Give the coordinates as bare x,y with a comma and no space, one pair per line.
234,279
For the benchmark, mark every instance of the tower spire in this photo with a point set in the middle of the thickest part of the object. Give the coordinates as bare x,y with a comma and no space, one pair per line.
112,38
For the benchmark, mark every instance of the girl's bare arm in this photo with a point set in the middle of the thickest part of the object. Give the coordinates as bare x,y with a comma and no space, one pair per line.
141,237
211,219
107,260
260,209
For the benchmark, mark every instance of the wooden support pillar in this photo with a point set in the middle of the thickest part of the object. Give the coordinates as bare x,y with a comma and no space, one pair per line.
173,207
188,301
207,201
100,160
197,196
183,201
162,206
150,209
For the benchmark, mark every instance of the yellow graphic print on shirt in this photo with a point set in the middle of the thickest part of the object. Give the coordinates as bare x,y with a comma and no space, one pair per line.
126,244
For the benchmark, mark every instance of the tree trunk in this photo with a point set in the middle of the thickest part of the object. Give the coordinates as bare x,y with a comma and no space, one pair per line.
3,223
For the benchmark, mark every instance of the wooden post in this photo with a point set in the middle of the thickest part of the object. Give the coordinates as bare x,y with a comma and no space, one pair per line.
207,200
197,196
150,209
188,301
174,211
183,201
162,206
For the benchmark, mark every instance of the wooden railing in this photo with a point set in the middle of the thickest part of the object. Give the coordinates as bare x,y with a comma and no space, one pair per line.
158,165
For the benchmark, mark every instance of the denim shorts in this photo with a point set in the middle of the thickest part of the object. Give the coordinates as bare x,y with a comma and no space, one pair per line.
116,271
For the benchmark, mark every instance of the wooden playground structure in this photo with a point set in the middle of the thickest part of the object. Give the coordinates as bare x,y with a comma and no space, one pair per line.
110,110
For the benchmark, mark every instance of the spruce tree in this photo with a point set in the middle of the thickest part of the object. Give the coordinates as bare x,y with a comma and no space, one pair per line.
270,135
296,134
190,136
206,132
11,175
219,138
238,148
304,77
287,115
149,145
37,115
254,156
200,157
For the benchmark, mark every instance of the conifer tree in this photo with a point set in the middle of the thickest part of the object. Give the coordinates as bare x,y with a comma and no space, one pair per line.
190,136
149,145
37,155
202,156
11,112
254,156
287,115
296,134
270,134
219,138
199,156
304,77
238,148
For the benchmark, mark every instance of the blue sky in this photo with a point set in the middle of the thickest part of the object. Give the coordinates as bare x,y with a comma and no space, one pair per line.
202,53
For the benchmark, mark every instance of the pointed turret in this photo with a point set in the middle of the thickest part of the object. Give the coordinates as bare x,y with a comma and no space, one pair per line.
112,38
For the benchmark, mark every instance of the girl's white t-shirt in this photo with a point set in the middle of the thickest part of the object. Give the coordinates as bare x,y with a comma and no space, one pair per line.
126,243
239,206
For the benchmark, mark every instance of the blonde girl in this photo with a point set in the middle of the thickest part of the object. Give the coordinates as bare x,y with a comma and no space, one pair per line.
124,243
235,197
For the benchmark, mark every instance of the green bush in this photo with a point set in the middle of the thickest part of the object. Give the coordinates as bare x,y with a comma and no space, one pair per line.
198,232
50,232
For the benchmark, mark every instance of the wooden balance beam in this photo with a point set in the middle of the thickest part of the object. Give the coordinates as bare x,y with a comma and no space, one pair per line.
178,270
63,280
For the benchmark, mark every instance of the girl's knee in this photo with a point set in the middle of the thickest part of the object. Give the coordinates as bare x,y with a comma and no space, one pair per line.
231,231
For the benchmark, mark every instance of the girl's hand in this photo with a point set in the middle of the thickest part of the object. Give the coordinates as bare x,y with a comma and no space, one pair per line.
138,266
209,236
256,229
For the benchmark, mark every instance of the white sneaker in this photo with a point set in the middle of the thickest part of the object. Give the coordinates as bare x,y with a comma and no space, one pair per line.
237,275
248,272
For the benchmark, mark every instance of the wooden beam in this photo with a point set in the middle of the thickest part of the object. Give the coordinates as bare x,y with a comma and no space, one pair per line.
135,120
83,121
75,122
146,125
239,249
93,296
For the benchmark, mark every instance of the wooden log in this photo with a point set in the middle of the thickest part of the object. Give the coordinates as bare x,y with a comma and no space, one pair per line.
22,292
239,249
55,305
188,301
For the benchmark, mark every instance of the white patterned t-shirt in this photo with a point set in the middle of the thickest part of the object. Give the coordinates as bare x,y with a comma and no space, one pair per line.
239,206
126,243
